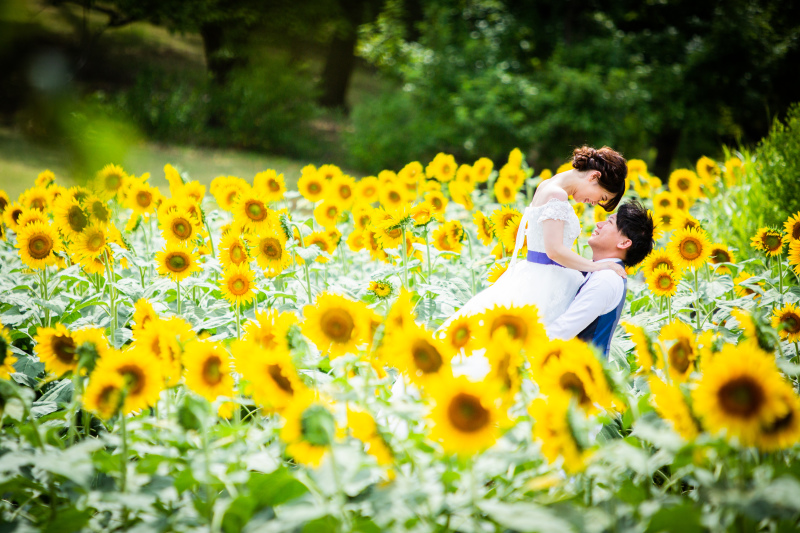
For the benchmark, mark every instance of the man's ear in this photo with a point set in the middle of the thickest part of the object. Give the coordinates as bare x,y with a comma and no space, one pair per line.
624,245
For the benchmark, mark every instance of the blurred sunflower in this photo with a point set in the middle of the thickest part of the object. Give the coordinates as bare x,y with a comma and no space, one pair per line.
388,228
664,200
38,244
578,374
392,196
769,240
336,324
321,240
506,363
143,314
709,172
552,427
437,201
362,215
443,242
442,168
251,211
481,169
787,321
272,377
29,216
11,215
657,258
419,354
461,333
461,193
177,261
177,228
46,178
401,315
329,172
309,428
794,256
56,348
193,191
363,427
7,359
422,213
104,393
741,392
35,198
686,182
270,184
142,198
366,190
690,248
505,191
720,254
783,432
500,218
69,217
381,289
743,290
646,351
141,373
5,201
550,350
465,418
734,169
341,191
682,351
792,228
498,269
207,369
671,405
237,284
636,168
484,227
684,220
663,282
521,323
328,213
269,251
233,251
270,329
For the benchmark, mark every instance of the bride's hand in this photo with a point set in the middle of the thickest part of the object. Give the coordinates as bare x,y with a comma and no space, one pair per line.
616,267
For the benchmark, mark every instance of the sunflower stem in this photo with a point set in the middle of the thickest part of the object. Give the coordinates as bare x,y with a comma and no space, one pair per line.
780,276
471,259
178,286
669,307
45,297
72,411
210,237
405,266
112,301
428,252
697,300
238,319
305,263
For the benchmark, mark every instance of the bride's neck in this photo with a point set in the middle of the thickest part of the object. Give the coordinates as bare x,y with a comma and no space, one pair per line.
567,181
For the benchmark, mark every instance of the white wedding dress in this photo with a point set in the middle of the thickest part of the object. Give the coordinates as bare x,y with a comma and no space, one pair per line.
551,288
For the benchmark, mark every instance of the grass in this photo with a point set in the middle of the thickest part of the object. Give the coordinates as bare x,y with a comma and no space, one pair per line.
22,160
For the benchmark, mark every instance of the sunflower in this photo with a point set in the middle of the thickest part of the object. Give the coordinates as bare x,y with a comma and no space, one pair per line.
270,329
483,227
142,198
794,256
690,247
708,171
237,284
29,216
437,201
664,200
373,246
7,359
461,332
552,427
92,339
671,405
35,198
388,229
684,219
521,323
741,392
734,170
141,374
321,240
38,244
5,201
233,251
682,352
442,168
270,184
663,282
272,377
252,212
741,288
177,261
400,316
769,240
381,289
787,321
104,393
309,428
312,183
481,169
366,190
341,190
422,213
329,172
505,191
465,418
792,228
269,250
686,182
177,228
69,216
207,369
442,241
502,217
577,373
191,190
508,236
647,355
636,168
657,258
143,314
461,193
109,180
336,324
91,244
56,348
783,432
506,363
11,214
418,353
164,339
721,254
392,196
498,269
328,213
363,427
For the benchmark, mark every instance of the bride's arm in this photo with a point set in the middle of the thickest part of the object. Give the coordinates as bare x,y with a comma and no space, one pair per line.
554,248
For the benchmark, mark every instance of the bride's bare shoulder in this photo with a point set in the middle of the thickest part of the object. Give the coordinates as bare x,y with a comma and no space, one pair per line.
546,192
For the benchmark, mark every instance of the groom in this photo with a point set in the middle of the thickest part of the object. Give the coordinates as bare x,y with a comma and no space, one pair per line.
625,237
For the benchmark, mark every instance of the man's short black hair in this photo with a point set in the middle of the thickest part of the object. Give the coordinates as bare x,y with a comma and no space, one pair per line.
635,223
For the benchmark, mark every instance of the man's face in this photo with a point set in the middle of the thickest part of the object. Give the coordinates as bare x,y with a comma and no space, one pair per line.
606,236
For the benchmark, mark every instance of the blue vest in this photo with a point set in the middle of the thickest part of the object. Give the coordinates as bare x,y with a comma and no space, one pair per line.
602,329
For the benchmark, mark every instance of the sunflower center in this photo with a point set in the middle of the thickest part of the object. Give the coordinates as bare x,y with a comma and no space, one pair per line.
369,192
796,231
741,397
280,380
144,198
237,253
780,424
212,370
683,184
274,186
664,202
255,210
570,382
467,414
690,249
437,203
113,182
3,204
445,169
99,211
135,378
514,325
314,187
394,233
95,242
394,196
177,262
664,282
345,191
338,325
182,228
76,218
679,355
426,357
238,286
271,248
40,246
64,348
791,323
15,214
108,399
721,256
772,241
461,337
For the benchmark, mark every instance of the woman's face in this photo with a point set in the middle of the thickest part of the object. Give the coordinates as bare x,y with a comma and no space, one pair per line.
591,192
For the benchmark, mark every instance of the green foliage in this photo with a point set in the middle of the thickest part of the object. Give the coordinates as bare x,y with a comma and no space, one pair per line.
777,166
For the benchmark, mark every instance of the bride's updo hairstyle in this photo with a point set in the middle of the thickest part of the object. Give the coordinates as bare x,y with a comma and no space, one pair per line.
612,166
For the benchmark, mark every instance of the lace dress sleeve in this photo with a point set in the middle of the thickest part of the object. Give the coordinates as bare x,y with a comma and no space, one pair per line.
556,209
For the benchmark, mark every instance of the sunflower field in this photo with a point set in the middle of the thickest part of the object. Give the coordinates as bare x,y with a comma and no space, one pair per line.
253,358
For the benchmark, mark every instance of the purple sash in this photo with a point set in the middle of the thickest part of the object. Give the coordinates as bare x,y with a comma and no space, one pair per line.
541,258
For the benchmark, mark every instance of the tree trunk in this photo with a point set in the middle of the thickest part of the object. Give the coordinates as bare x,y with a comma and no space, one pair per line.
666,144
218,63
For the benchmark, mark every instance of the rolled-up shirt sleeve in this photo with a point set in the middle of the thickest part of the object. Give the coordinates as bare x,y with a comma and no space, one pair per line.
600,295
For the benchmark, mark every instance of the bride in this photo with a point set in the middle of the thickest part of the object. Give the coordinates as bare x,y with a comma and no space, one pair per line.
550,276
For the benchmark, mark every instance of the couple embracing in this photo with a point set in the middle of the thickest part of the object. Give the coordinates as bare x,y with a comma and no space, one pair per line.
575,296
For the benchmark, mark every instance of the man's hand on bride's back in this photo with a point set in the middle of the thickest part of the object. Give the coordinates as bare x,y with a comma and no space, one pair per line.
613,265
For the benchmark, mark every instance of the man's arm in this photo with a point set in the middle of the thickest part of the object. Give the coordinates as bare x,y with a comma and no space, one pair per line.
599,296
